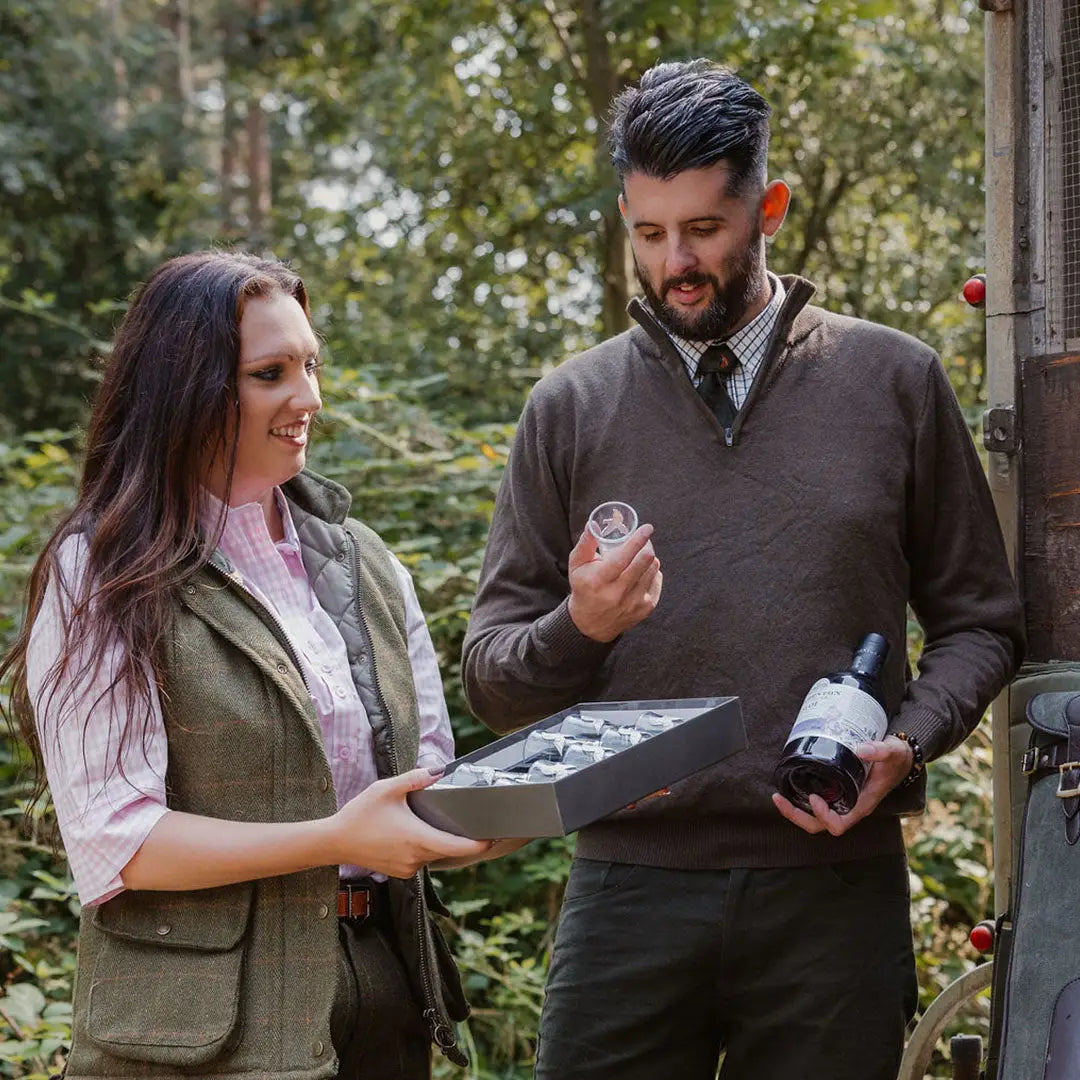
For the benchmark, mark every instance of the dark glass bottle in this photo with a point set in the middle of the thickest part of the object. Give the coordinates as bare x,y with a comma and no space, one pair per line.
839,712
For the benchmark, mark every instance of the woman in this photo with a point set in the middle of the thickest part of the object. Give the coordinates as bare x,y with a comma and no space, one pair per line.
216,667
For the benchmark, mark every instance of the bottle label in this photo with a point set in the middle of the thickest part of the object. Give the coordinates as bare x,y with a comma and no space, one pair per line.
845,714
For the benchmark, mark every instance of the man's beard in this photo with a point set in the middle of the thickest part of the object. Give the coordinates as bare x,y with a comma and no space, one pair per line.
744,276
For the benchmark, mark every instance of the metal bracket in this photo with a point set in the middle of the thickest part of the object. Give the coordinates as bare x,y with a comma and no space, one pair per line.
1000,433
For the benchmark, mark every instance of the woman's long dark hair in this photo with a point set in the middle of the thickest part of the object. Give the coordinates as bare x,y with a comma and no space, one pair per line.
167,407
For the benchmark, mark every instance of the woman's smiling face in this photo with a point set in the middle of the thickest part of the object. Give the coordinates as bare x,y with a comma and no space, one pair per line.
277,383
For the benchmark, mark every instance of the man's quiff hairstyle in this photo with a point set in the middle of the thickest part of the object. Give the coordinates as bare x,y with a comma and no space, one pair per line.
690,116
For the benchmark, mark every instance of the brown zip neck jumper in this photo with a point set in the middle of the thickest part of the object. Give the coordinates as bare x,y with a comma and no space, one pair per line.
850,489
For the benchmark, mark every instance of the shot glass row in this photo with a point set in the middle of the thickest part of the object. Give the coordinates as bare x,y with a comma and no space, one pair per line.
552,753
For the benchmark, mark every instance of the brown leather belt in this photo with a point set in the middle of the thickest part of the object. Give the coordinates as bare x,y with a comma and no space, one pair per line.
361,900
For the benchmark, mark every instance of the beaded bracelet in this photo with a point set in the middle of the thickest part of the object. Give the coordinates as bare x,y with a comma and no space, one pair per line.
918,759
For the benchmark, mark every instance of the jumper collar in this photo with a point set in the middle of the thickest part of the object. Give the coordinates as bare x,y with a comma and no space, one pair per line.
798,289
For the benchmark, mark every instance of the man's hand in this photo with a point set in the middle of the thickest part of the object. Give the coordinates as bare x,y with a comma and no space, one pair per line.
610,595
890,762
498,849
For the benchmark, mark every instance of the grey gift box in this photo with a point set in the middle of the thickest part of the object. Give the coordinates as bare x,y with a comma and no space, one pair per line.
711,730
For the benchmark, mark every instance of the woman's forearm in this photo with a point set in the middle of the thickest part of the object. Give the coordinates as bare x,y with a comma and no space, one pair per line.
186,851
375,829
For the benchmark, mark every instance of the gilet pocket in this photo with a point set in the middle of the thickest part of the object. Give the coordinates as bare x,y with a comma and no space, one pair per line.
166,985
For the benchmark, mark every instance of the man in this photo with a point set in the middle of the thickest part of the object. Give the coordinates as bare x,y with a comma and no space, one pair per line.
806,481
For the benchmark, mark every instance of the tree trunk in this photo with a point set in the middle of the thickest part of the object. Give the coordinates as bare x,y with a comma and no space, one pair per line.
176,85
258,134
601,85
594,72
119,108
258,170
231,125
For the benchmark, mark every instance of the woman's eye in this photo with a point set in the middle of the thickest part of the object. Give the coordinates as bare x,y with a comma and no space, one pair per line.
270,374
314,364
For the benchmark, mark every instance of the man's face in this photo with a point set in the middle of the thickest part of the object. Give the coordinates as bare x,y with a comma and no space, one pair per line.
699,252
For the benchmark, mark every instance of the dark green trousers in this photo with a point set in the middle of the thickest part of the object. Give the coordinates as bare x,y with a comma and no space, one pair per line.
378,1030
796,973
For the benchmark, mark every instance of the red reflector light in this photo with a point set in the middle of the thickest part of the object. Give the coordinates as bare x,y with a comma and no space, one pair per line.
975,290
982,937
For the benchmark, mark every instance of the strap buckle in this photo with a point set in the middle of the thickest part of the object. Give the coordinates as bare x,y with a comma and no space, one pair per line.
354,901
1029,762
1071,792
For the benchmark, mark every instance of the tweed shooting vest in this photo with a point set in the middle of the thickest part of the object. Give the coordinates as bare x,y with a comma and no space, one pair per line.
241,979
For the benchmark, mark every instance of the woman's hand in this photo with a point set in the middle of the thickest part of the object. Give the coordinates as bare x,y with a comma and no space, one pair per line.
379,831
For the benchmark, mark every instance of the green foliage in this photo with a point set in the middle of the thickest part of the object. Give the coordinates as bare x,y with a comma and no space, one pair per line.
950,851
76,196
37,961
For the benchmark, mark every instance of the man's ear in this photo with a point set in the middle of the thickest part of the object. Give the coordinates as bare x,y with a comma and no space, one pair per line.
774,206
622,209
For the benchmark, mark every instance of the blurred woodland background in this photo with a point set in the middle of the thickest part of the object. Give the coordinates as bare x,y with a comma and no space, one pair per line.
437,173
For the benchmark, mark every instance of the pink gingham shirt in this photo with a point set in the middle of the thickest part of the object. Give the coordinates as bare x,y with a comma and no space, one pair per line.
106,813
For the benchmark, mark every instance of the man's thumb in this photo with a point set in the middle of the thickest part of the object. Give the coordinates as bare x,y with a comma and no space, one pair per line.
584,551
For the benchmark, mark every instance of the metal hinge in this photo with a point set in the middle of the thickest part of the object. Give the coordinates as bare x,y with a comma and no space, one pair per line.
1000,430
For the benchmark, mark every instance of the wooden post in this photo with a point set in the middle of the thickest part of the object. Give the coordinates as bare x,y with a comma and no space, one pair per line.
1002,139
1050,395
1033,345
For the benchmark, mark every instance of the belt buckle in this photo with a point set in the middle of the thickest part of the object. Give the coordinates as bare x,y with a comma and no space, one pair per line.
1062,791
1029,762
354,901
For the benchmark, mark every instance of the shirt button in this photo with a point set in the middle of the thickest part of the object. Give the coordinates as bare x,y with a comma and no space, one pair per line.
324,784
190,590
164,929
340,556
343,753
283,668
327,668
323,911
318,1048
340,691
